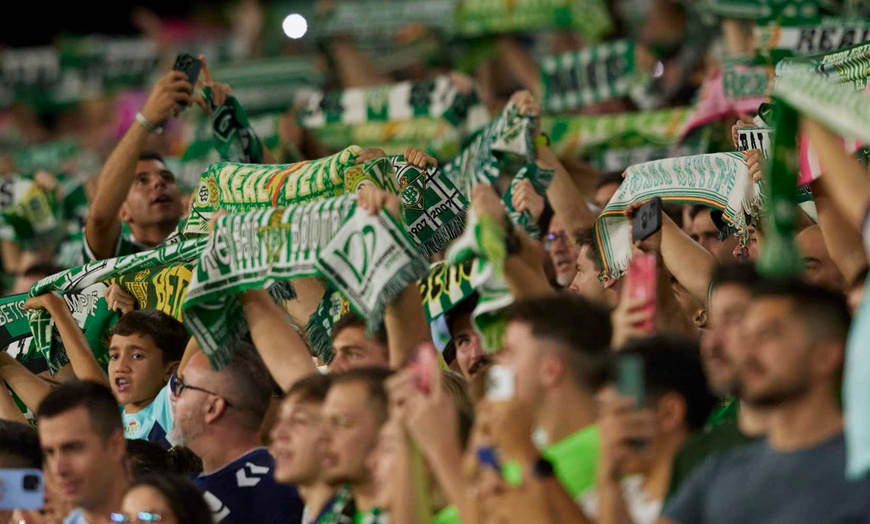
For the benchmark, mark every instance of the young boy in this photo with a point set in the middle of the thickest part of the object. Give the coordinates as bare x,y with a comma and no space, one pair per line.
145,348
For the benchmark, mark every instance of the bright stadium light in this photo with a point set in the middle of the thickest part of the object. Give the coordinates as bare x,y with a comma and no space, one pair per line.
295,26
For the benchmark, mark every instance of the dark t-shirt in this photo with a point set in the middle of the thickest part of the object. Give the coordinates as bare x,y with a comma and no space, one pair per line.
722,437
245,491
754,483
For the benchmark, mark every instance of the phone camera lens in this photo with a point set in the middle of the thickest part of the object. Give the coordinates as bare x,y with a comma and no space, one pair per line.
30,483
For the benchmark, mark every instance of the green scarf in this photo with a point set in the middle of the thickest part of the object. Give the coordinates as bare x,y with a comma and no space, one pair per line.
435,136
368,259
238,188
270,84
624,153
720,181
152,275
447,285
437,98
234,138
34,217
432,208
572,136
331,309
590,18
541,179
594,74
741,79
780,255
14,323
762,9
849,68
507,139
383,18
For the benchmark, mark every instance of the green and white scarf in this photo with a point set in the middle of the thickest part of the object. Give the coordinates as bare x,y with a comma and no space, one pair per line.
624,154
368,259
844,112
720,181
382,18
14,321
238,188
849,68
152,275
595,74
508,138
270,84
437,98
590,18
432,208
484,243
755,138
775,41
449,284
33,218
741,79
572,136
333,306
762,9
50,156
234,138
541,179
435,136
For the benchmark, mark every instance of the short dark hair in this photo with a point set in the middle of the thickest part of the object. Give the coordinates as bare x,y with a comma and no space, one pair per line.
354,320
146,457
41,270
574,322
250,384
184,498
183,461
609,177
20,441
167,333
463,308
672,364
741,274
824,313
312,388
373,378
96,398
151,155
586,238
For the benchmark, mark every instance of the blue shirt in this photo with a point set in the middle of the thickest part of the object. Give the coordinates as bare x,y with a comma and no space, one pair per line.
152,422
856,392
76,517
244,491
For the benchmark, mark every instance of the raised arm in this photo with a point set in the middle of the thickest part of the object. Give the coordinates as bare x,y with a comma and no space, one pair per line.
842,239
283,350
687,260
81,358
103,226
520,64
29,388
845,180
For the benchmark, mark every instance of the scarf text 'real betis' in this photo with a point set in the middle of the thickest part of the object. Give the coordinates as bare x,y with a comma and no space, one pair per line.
720,181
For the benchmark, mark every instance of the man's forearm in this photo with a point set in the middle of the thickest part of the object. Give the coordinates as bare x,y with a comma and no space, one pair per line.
687,260
8,408
283,351
520,65
78,350
29,388
564,197
103,224
406,325
842,239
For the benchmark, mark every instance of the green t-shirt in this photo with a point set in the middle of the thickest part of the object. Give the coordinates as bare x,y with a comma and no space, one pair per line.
700,446
448,515
725,411
574,458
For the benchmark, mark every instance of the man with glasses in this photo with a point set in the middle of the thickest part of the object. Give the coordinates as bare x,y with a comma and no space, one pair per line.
562,250
218,415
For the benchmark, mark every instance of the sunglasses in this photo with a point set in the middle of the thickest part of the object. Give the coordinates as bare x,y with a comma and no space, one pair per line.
177,387
142,516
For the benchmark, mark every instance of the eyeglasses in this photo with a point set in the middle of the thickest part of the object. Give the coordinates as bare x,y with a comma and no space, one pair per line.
142,516
177,386
551,239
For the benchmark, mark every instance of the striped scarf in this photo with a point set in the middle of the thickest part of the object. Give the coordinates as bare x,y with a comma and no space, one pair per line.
540,179
156,278
368,259
762,9
437,98
590,18
720,181
849,68
808,36
595,74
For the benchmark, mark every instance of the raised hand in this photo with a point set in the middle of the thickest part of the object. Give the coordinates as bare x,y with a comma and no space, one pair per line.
168,98
219,91
119,300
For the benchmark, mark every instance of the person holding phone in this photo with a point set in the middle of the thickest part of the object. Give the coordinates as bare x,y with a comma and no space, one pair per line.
644,422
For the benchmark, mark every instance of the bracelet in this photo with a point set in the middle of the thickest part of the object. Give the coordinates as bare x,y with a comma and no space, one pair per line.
542,140
151,128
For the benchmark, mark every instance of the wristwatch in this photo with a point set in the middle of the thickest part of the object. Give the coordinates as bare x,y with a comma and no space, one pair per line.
151,128
543,468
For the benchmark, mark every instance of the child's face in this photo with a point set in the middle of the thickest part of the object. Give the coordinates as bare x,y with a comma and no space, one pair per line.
136,370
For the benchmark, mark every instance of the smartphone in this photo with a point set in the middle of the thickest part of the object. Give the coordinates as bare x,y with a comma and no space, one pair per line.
500,383
647,220
630,383
642,277
422,361
22,489
189,65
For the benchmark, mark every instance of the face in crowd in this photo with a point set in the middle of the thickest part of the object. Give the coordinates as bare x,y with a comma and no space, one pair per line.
296,441
353,348
562,250
154,198
351,423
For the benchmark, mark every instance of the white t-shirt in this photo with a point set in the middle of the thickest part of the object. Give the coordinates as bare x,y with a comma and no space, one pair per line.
643,509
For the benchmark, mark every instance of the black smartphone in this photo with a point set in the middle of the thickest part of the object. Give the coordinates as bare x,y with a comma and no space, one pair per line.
648,220
189,65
